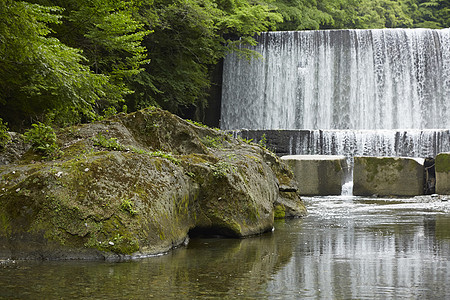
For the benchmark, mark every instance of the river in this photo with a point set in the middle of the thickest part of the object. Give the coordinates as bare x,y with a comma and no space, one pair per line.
346,248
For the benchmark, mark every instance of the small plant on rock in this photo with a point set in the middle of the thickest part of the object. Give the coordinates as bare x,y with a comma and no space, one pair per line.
127,205
212,142
42,139
221,169
247,141
166,155
111,144
197,123
4,135
263,141
109,112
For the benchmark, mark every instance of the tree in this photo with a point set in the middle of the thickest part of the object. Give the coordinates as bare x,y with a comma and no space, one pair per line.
110,35
189,37
432,13
365,14
74,57
302,14
38,73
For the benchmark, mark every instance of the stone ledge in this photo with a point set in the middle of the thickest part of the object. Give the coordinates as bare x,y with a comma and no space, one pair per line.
388,176
442,167
317,175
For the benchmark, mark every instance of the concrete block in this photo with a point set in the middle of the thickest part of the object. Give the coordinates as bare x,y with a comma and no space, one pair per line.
442,167
388,176
318,175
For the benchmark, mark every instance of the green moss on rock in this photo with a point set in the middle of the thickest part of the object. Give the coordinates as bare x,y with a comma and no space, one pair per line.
279,212
388,176
111,202
442,162
374,165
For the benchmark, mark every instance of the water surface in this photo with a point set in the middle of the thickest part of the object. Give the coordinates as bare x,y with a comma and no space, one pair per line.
346,248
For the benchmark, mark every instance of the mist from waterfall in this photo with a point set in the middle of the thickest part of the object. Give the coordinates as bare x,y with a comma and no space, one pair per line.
341,79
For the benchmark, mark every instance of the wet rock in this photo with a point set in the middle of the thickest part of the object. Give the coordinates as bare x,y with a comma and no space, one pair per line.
317,174
442,167
136,185
388,176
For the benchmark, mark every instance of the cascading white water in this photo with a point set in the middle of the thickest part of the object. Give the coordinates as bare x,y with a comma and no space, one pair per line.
341,79
390,142
414,142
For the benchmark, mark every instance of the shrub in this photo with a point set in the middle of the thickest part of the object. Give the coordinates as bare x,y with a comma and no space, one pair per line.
111,144
109,112
42,139
263,141
4,135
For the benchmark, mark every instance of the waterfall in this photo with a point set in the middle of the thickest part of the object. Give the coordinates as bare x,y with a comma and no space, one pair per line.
379,79
412,143
381,92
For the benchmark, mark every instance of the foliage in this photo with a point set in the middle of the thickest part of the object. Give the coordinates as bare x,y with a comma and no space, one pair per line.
213,142
363,14
221,169
109,112
4,135
42,139
189,37
38,72
366,14
431,13
128,206
111,39
111,144
74,60
302,14
263,141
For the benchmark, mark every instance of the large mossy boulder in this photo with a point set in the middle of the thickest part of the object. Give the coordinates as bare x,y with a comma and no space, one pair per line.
318,175
388,176
137,185
442,168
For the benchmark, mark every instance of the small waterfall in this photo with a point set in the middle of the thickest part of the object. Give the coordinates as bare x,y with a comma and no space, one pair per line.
341,79
347,188
409,143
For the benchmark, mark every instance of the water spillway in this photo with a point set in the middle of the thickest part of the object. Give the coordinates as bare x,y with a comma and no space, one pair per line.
358,87
391,142
341,79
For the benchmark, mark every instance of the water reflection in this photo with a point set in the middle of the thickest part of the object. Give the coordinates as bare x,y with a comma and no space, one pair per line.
206,268
346,248
362,249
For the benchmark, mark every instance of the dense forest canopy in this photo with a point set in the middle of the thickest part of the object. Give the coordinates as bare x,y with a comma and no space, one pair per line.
70,61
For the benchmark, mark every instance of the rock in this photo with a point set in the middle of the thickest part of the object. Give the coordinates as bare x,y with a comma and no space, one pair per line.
15,149
388,176
317,175
442,167
137,185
